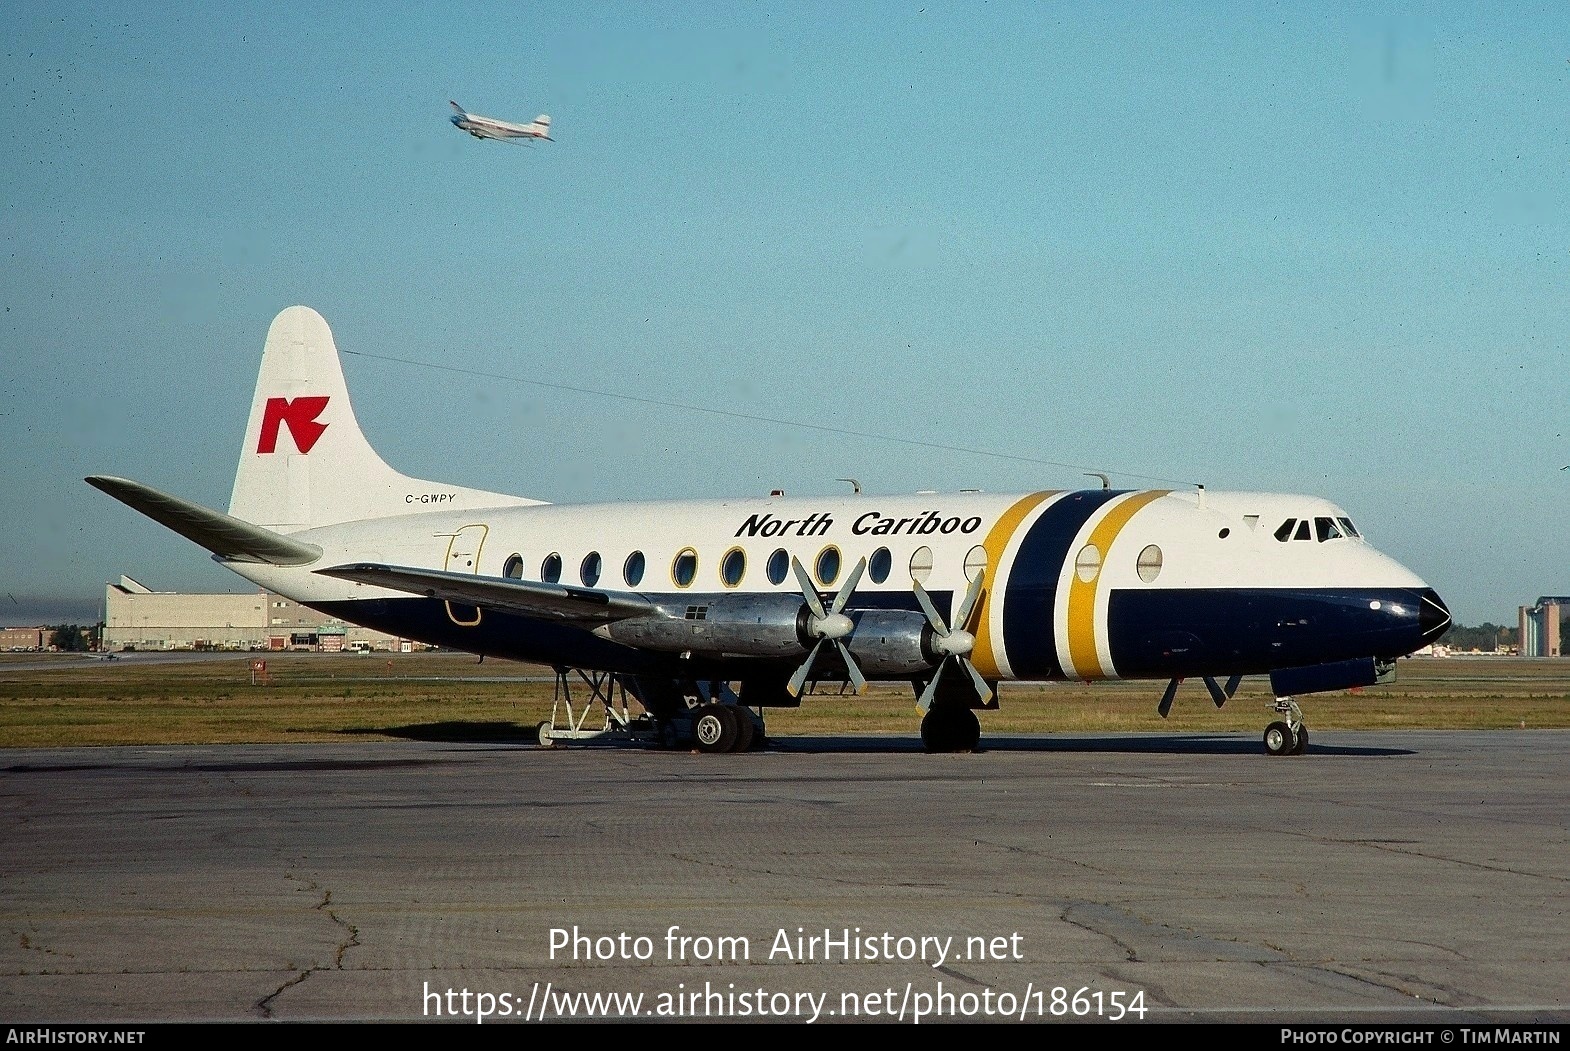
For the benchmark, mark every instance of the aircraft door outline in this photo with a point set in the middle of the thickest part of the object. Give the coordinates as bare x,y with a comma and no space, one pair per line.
463,556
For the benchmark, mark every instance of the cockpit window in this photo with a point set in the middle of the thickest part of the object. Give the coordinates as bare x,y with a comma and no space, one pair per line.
1322,529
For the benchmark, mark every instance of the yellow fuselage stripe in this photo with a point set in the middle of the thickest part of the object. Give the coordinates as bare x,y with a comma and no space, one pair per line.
984,656
1082,594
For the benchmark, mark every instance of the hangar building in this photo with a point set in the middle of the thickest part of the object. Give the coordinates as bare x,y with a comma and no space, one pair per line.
137,617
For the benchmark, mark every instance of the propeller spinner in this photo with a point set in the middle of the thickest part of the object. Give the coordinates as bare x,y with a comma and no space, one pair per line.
827,626
953,643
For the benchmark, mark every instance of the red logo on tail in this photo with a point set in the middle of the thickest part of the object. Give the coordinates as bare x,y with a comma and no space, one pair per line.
300,415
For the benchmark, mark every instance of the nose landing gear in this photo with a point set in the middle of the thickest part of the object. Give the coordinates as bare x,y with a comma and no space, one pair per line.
1288,736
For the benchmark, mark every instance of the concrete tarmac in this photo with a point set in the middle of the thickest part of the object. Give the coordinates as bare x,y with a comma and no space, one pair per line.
1384,876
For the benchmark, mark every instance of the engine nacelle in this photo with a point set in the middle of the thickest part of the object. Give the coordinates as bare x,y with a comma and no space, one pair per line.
737,625
885,643
891,642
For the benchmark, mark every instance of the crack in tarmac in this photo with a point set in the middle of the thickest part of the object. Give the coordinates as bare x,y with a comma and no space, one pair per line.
1128,950
354,932
264,1006
1400,985
1454,861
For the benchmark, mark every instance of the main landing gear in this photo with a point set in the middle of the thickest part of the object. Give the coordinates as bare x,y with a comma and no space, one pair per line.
1286,736
713,719
950,728
718,727
726,728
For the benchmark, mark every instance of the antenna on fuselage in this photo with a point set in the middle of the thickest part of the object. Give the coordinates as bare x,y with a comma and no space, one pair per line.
853,484
1200,486
1106,483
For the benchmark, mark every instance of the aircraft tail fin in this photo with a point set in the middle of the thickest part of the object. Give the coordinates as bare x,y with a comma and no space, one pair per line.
305,462
542,125
456,108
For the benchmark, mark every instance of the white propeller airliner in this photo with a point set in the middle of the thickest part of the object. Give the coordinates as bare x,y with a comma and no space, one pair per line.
491,128
708,611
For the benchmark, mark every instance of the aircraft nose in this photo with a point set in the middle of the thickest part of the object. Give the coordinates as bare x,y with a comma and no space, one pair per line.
1433,616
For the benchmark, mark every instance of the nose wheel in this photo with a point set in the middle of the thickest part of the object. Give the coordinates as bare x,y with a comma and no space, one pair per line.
1288,736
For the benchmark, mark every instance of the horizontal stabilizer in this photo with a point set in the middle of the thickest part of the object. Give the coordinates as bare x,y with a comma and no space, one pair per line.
228,538
502,594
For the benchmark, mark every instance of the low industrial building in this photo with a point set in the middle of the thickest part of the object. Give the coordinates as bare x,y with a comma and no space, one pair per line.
139,618
14,639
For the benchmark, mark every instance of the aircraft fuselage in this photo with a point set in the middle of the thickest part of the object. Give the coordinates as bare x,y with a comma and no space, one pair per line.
1079,585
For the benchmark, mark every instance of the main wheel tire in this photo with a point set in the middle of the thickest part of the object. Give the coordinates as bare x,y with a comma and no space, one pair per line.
950,730
1300,743
1279,738
935,732
968,730
715,728
746,729
542,735
941,731
668,735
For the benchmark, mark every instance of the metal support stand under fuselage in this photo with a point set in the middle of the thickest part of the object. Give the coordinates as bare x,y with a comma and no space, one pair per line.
711,718
569,720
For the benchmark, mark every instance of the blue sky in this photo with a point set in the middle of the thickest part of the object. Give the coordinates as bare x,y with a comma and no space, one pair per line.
1290,248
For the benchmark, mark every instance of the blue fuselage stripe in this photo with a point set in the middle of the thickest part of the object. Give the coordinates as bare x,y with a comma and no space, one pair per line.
1029,634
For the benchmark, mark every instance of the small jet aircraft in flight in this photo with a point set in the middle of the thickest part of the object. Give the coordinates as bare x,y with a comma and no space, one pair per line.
490,128
710,611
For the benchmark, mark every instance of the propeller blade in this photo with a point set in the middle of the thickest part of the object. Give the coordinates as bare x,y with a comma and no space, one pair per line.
809,591
983,689
924,702
930,610
798,681
1165,707
848,588
1216,693
962,615
858,680
1232,685
830,625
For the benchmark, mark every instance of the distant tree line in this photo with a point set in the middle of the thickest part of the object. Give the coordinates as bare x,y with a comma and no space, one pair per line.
1486,637
73,638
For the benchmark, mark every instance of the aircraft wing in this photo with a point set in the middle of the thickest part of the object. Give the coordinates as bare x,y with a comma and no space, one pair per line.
554,601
